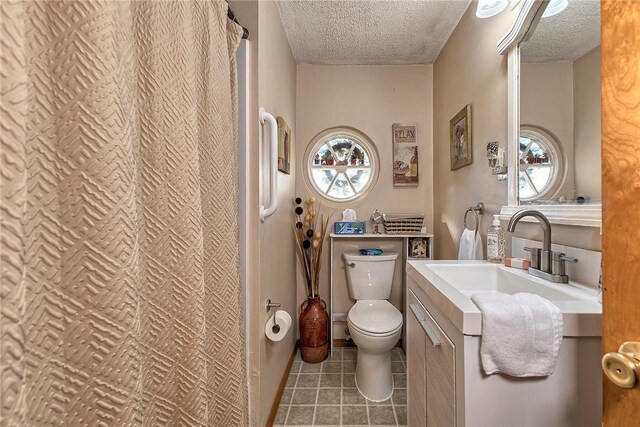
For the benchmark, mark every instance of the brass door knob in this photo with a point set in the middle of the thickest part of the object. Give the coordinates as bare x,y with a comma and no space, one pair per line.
623,367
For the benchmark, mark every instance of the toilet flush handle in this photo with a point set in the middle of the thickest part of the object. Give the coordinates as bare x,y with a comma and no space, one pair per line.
352,264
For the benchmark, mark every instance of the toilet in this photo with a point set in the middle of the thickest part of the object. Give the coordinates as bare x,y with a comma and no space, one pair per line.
375,324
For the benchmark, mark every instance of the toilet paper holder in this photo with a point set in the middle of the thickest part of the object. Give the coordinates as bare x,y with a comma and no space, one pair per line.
275,328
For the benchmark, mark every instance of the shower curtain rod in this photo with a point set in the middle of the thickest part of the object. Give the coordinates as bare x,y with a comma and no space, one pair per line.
232,16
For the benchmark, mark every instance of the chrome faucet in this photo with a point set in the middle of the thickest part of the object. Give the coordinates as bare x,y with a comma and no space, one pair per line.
545,263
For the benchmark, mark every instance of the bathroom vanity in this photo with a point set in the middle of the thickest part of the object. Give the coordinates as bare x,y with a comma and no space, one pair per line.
446,383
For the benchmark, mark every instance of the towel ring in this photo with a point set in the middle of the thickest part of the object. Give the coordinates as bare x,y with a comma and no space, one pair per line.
477,219
477,210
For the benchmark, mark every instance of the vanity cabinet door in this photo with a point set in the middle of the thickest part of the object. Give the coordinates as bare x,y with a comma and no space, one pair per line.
440,366
416,364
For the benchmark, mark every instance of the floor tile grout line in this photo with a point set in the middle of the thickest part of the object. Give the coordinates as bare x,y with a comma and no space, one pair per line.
315,407
341,383
395,417
286,418
341,388
368,417
393,411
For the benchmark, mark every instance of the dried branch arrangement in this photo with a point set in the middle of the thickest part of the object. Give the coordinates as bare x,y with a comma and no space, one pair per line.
309,232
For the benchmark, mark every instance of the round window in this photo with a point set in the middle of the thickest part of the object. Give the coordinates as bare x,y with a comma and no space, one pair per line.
341,164
541,164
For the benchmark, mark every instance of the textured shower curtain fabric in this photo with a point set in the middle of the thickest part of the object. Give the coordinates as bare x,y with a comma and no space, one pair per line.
120,264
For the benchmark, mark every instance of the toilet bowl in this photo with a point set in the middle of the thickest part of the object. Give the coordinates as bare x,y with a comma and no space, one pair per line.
375,326
374,323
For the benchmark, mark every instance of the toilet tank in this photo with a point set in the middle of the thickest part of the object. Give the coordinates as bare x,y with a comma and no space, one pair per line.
370,276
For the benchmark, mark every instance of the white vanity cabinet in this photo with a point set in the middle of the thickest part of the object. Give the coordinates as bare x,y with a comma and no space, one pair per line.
431,368
447,387
416,366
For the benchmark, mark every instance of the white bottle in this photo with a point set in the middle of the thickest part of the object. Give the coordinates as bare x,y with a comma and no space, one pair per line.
496,241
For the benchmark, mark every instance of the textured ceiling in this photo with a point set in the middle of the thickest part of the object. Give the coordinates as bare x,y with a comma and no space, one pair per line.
566,36
353,32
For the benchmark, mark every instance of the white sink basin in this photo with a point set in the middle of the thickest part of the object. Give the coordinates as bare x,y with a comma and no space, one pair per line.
470,279
450,284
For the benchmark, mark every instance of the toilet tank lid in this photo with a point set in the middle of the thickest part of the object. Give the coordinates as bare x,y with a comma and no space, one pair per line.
355,256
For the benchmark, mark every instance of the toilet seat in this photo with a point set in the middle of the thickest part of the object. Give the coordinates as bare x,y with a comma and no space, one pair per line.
371,334
375,317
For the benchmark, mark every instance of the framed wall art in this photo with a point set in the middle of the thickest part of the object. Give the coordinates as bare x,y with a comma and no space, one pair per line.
460,139
284,146
405,155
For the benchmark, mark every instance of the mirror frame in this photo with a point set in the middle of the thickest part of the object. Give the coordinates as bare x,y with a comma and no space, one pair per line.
587,215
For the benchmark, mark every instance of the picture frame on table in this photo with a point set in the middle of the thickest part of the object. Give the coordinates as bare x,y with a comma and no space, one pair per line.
418,247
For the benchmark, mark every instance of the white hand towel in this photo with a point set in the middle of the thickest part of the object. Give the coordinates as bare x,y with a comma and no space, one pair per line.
521,334
470,246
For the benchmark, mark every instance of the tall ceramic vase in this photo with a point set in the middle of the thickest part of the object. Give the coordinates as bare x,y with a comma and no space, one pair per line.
314,321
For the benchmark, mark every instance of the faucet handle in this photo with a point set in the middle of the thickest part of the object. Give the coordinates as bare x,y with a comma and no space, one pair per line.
559,256
558,261
534,258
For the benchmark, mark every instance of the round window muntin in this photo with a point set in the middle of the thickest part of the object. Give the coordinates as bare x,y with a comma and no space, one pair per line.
359,138
557,176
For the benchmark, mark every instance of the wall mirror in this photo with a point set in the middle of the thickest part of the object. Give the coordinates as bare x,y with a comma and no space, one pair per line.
555,134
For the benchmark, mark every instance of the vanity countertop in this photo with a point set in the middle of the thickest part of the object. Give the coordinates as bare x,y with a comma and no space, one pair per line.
450,284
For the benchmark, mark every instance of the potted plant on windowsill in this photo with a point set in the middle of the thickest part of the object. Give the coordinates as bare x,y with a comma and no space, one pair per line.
328,158
309,232
354,159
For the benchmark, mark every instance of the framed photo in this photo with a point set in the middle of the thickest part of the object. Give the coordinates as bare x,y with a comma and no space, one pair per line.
405,155
418,247
460,137
284,146
349,227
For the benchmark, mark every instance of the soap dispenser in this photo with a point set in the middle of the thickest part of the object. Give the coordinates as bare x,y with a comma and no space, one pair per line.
496,236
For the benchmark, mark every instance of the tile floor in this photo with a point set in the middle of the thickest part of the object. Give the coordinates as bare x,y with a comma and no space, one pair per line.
324,394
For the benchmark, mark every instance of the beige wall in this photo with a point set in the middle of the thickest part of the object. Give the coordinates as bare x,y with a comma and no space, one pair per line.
370,99
546,101
270,257
277,77
587,124
469,71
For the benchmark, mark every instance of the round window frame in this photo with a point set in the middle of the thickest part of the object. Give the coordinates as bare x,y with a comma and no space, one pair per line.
359,138
559,167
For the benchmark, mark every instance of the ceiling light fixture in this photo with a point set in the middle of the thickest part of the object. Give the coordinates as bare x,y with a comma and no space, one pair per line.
555,7
489,8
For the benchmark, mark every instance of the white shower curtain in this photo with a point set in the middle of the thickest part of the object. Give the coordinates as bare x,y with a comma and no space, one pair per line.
120,269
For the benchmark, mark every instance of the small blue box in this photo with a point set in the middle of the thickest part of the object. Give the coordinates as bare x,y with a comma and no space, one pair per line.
348,227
